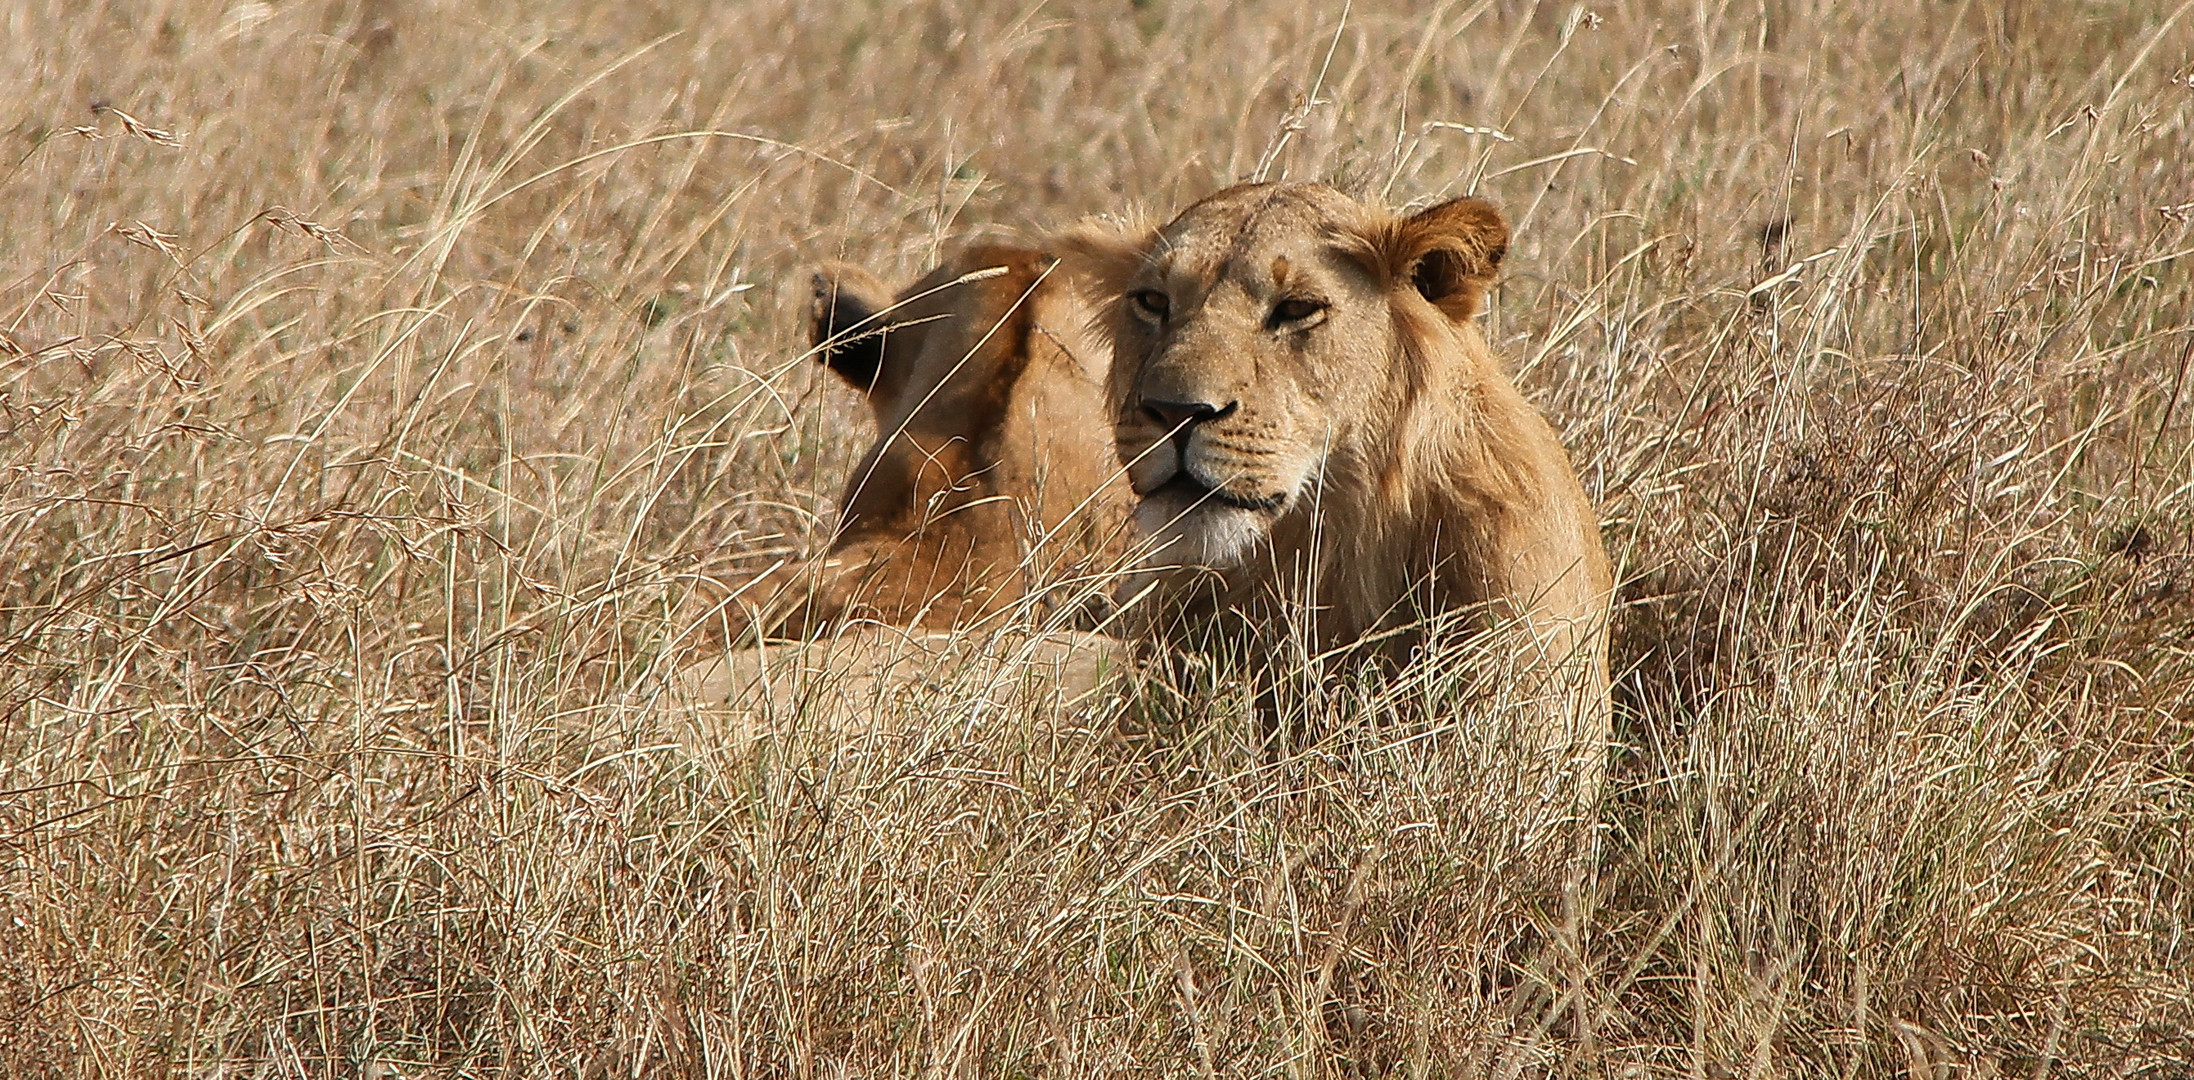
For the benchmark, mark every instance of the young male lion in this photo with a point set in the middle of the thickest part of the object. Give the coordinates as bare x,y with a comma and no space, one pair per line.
991,485
1314,423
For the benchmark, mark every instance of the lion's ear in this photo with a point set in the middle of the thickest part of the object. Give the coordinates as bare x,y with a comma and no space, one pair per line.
1105,254
843,325
1449,253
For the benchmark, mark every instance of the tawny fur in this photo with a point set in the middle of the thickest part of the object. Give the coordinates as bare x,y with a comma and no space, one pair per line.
1374,447
992,473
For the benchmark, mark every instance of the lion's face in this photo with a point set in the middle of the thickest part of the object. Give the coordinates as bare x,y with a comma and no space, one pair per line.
1256,353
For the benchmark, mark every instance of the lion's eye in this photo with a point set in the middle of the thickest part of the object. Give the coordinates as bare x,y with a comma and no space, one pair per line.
1150,302
1296,310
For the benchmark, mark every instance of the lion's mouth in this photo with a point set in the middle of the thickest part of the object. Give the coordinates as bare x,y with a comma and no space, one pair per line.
1197,523
1187,488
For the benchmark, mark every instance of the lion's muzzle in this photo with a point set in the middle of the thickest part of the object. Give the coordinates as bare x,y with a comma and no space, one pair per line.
1183,458
1196,505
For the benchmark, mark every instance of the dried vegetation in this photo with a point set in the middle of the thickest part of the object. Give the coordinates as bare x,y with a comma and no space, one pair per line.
381,379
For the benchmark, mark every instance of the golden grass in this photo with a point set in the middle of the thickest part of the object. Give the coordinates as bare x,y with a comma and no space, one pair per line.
379,378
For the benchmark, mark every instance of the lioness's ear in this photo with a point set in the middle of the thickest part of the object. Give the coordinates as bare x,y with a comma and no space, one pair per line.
843,324
1104,254
1449,253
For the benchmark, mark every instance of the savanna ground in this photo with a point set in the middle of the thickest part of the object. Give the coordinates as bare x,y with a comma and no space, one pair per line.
382,380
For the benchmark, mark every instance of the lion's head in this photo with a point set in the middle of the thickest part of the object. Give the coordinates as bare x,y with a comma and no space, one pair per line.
1264,342
1300,389
992,467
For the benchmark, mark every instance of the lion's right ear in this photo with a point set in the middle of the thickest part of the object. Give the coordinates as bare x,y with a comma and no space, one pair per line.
844,324
1105,254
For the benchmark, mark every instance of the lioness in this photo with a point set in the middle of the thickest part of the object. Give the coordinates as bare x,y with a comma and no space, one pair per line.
991,483
992,468
1304,403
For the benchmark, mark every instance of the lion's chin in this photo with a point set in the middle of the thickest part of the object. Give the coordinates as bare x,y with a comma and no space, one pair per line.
1188,527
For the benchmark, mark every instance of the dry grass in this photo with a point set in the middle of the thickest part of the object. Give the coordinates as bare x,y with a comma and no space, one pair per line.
377,381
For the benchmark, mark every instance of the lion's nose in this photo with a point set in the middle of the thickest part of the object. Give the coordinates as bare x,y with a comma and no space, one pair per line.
1180,416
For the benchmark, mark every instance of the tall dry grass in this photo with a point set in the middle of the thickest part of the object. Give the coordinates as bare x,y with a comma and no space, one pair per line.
381,378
